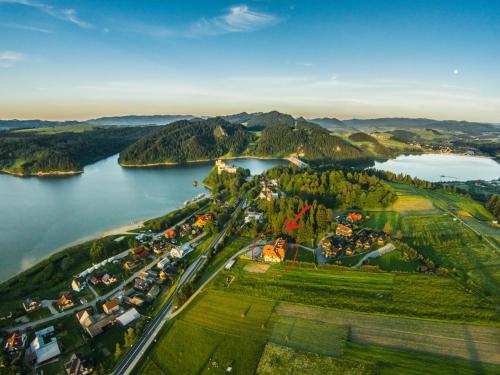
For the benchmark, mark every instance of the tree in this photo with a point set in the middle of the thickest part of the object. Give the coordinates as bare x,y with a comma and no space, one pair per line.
67,263
129,337
118,351
387,228
96,250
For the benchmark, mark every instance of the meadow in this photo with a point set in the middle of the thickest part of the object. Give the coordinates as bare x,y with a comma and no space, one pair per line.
212,334
413,295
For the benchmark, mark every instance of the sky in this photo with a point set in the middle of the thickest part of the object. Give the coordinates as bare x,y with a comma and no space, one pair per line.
82,59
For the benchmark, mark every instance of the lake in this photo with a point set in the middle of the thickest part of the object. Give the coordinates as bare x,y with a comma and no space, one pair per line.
42,215
443,167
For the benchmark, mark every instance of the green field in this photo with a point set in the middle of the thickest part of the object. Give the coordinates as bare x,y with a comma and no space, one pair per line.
309,336
394,261
282,360
450,244
378,219
254,335
376,292
214,333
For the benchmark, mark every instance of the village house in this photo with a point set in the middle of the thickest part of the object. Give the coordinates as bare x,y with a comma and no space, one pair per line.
354,217
65,302
136,301
153,292
84,317
162,263
79,365
94,280
110,307
94,324
15,343
223,167
45,345
275,252
253,216
343,230
78,284
31,304
203,219
170,233
128,317
141,285
130,265
140,252
180,252
326,244
108,279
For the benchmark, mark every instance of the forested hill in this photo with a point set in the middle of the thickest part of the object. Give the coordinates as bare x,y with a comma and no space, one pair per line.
273,118
188,140
312,143
62,149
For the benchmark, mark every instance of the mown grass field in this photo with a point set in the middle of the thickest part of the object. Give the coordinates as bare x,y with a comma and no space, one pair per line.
255,335
309,336
469,342
450,244
214,333
413,295
394,261
378,219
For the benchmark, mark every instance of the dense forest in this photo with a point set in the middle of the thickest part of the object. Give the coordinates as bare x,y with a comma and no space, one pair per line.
313,142
230,183
188,140
325,191
264,120
341,189
57,150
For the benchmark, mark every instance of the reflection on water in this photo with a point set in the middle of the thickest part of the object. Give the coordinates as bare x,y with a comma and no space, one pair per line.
40,215
443,167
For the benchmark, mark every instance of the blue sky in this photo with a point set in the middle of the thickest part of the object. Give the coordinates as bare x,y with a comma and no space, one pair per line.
84,58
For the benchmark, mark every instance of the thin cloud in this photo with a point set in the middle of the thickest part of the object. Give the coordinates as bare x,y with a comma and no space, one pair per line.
9,58
68,15
238,19
25,27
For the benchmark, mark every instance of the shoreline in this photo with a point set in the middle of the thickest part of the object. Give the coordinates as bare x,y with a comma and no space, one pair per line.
42,174
200,161
115,231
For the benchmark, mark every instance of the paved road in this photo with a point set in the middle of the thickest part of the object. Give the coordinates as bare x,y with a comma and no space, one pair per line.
132,358
376,253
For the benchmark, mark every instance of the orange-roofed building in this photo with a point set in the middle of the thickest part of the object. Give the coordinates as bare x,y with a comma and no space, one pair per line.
203,219
275,252
170,233
354,216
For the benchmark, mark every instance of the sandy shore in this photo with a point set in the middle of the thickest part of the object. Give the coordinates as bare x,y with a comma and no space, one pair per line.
122,229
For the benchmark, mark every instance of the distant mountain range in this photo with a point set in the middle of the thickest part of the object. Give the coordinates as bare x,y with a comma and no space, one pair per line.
260,121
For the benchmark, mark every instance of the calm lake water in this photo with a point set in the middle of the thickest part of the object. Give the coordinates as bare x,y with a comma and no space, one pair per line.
41,215
443,167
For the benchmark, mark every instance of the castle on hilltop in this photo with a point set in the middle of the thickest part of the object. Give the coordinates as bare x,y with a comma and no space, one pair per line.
223,167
